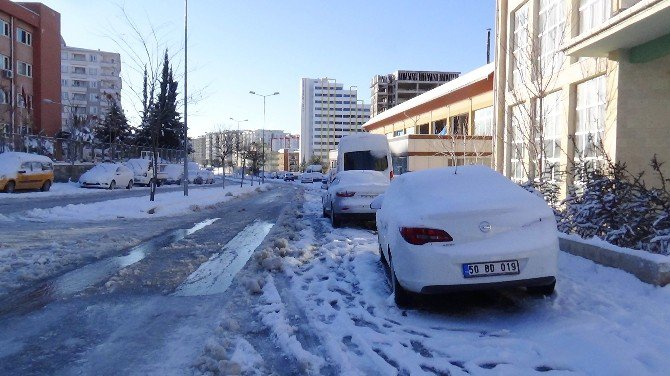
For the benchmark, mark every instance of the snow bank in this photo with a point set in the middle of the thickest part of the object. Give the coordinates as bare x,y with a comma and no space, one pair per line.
57,190
166,204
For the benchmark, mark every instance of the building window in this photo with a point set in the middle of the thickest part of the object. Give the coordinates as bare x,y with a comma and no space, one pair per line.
64,96
64,68
518,138
63,82
6,65
93,58
552,33
79,83
4,27
590,111
4,97
593,13
551,122
484,122
94,97
520,43
63,55
78,70
93,71
24,37
24,69
79,57
78,96
20,101
93,110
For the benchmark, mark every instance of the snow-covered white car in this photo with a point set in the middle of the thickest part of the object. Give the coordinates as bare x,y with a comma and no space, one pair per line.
350,194
143,170
464,228
207,176
107,175
174,173
310,177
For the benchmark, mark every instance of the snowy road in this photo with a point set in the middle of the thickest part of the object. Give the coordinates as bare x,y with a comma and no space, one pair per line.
118,315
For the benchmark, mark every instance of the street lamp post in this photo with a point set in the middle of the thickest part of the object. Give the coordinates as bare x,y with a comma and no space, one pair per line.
263,141
185,179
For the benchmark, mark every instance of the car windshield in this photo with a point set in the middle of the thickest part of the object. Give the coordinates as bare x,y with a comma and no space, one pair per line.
365,160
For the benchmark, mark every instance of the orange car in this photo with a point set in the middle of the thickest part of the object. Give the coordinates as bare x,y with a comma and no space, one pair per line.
25,171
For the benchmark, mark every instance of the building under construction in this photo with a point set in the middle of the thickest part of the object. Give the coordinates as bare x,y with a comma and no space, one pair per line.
393,89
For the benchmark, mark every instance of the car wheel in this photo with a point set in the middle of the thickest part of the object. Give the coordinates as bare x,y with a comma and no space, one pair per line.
402,297
46,186
179,182
335,219
130,185
160,182
546,290
9,188
112,185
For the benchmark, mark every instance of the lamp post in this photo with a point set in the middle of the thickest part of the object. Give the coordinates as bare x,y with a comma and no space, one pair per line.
237,139
185,179
263,141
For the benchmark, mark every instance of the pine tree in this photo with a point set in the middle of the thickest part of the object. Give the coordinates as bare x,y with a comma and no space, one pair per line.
114,127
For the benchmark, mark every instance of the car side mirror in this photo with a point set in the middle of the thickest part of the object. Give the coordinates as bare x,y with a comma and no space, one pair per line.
21,172
376,204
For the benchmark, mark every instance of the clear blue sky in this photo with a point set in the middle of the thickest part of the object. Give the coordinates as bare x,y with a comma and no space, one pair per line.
268,45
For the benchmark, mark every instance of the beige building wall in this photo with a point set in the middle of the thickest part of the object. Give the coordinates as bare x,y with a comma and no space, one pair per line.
637,99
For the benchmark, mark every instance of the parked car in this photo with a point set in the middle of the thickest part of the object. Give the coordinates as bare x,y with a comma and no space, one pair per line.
25,171
350,194
289,176
143,172
310,177
364,151
194,175
479,230
207,176
108,176
174,173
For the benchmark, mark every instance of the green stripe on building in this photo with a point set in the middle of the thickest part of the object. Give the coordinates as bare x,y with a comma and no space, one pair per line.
651,50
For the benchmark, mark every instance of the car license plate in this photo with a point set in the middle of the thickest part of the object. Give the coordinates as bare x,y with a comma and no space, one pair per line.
487,269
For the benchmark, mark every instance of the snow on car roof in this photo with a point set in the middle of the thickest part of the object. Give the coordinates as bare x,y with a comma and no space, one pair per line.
363,141
23,157
459,190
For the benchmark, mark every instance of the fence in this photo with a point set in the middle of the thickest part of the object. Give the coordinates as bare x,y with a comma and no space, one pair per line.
68,150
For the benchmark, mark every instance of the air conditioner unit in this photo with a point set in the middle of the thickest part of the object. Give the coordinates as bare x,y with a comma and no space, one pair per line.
7,73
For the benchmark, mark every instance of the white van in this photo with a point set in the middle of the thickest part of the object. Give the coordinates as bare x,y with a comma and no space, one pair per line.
364,151
143,170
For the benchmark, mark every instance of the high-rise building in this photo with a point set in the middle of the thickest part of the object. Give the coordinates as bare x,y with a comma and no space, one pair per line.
29,68
287,141
328,112
400,86
90,83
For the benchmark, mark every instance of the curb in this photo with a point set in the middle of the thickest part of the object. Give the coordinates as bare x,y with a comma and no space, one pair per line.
646,270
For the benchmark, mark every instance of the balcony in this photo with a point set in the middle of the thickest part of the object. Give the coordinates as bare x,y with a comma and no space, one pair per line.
644,22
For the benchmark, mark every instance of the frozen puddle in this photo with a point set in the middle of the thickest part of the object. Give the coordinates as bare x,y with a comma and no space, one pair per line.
79,279
216,275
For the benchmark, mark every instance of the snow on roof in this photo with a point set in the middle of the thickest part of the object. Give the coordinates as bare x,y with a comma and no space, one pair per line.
13,156
460,190
363,141
442,90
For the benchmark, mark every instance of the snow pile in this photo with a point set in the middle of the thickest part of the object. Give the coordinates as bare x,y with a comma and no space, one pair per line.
166,204
57,190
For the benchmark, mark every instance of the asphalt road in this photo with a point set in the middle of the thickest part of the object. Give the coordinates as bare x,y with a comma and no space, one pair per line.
120,315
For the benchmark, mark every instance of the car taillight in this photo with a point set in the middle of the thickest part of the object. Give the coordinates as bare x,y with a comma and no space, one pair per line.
419,235
345,194
391,175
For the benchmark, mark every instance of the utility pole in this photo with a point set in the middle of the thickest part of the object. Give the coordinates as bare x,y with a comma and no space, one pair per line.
263,132
488,45
185,179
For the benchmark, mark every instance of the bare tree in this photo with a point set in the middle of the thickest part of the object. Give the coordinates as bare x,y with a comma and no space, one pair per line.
226,143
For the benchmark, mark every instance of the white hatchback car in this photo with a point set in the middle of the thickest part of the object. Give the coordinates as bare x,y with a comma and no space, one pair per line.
465,228
107,175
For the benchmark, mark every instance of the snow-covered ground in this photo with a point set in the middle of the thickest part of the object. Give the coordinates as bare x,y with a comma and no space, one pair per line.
327,306
165,204
57,190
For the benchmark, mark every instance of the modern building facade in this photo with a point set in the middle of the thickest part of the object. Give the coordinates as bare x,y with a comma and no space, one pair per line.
29,69
199,150
287,141
400,86
328,112
447,126
287,160
578,81
90,83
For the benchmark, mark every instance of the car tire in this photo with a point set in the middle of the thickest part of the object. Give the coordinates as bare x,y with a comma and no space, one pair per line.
130,185
112,185
159,183
179,182
46,186
546,290
10,187
402,297
335,219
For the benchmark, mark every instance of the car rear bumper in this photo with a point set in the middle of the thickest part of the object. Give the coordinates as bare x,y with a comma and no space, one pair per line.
423,267
441,289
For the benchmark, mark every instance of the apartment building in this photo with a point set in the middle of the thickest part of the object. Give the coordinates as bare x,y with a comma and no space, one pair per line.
578,81
30,68
400,86
450,125
199,154
328,112
90,83
287,141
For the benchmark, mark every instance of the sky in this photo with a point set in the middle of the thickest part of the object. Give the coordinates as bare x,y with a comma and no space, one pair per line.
269,45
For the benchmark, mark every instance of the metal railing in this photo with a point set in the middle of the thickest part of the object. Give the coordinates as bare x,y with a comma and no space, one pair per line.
68,150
